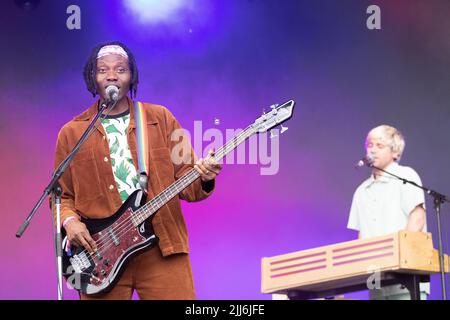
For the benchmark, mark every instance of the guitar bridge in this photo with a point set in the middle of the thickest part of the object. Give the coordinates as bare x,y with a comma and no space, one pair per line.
80,262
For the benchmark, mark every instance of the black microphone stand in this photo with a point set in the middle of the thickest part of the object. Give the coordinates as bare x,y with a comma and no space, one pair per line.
438,199
55,189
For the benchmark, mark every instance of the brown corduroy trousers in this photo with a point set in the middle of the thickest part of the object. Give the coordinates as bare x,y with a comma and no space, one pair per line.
153,277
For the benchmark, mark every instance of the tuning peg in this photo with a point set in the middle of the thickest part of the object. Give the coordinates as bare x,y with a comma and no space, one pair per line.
272,135
216,121
283,129
274,106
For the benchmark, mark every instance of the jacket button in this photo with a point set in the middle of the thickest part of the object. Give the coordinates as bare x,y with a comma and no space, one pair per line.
105,159
111,187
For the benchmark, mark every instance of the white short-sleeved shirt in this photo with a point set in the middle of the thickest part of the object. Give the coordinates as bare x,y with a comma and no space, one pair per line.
382,206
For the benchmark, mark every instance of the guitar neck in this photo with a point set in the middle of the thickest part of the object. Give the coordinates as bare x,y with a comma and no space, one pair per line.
175,188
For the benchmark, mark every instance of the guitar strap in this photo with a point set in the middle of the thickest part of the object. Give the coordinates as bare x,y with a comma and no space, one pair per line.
142,144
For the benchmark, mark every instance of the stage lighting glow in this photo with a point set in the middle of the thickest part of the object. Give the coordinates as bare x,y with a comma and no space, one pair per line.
156,11
27,5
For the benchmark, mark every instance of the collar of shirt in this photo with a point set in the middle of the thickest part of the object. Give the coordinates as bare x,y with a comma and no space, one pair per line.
384,177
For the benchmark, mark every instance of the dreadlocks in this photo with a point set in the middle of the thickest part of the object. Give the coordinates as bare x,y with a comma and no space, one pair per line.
91,65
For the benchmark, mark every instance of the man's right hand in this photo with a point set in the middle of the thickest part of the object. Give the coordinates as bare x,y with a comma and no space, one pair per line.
78,235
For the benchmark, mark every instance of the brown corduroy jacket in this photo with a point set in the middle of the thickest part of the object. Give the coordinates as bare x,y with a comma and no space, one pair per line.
89,188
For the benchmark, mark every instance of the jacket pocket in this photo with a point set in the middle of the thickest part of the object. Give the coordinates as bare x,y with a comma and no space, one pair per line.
161,165
86,178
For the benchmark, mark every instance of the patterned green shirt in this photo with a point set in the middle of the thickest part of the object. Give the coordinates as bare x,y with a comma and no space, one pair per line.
123,168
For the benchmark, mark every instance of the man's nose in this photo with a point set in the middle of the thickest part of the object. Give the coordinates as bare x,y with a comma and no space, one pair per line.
111,75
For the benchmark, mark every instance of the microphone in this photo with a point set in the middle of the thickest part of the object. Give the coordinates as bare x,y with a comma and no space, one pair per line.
112,93
366,161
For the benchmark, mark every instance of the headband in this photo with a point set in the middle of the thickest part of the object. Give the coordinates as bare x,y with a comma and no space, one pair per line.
112,49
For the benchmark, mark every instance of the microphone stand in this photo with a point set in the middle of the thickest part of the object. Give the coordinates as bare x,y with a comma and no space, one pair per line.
55,189
438,199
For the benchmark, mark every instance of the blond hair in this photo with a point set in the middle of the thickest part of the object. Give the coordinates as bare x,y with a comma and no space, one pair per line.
392,137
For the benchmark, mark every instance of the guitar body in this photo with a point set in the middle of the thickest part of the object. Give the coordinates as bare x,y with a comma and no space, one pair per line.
118,239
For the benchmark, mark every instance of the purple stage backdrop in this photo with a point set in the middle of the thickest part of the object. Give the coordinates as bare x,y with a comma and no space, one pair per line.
223,63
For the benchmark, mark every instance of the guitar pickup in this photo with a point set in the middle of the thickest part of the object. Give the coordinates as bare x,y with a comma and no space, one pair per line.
113,237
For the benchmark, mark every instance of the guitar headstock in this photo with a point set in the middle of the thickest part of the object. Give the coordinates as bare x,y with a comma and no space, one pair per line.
276,116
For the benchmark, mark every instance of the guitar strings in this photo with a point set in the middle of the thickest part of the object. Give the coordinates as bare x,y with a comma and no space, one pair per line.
105,242
127,225
123,227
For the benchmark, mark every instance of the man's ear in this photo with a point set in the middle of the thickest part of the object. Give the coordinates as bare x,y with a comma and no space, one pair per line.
396,156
